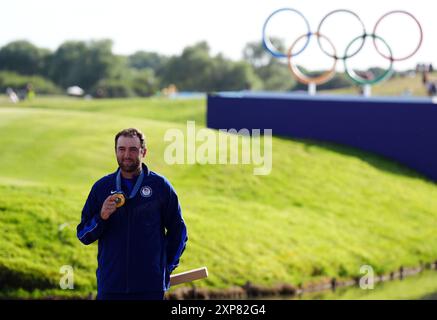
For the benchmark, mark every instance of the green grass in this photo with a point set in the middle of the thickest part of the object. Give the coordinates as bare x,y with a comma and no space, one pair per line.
324,211
155,108
394,87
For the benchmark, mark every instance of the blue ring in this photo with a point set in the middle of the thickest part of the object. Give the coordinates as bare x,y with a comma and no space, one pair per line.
269,46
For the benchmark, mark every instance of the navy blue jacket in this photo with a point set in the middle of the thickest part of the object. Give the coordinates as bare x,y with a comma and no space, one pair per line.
141,242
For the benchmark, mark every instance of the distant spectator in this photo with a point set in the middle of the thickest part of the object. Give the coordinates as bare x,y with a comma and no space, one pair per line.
424,67
100,93
431,86
12,95
30,93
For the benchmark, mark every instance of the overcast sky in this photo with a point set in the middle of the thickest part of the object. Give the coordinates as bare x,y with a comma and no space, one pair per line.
167,26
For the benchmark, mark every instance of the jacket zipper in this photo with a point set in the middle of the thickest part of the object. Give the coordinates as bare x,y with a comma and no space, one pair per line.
127,252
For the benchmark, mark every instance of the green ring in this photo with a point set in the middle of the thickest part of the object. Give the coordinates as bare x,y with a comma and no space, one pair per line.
359,80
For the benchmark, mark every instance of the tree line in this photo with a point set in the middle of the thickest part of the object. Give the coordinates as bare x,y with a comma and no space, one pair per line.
94,67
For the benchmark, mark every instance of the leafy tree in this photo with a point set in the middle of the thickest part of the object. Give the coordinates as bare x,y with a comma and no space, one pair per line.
144,83
24,58
256,54
83,63
147,60
191,70
196,70
231,75
272,71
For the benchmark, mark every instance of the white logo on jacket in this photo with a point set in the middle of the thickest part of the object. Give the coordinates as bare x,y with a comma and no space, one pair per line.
146,191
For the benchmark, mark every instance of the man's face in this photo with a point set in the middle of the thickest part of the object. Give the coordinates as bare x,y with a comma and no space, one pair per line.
129,153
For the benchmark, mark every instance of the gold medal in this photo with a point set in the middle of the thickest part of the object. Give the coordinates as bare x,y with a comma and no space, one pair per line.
119,199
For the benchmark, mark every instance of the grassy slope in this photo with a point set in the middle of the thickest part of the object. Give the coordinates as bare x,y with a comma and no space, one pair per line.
394,87
325,210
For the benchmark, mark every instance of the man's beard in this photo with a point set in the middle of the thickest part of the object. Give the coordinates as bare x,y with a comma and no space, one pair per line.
131,166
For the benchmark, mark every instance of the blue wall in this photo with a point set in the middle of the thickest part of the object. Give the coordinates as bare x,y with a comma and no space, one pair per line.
402,129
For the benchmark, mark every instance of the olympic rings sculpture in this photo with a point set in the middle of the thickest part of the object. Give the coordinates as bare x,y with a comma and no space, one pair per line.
329,74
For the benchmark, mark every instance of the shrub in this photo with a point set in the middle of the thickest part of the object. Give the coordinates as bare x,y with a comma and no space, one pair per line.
113,88
18,82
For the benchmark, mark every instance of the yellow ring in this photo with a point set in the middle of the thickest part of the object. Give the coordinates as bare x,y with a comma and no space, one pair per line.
324,77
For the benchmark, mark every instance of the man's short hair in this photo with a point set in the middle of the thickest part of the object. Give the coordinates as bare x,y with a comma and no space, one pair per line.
131,132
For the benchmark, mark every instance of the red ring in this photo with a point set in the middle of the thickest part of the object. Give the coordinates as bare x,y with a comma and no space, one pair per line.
420,40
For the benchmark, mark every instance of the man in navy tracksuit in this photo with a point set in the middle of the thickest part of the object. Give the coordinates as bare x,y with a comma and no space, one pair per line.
140,239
